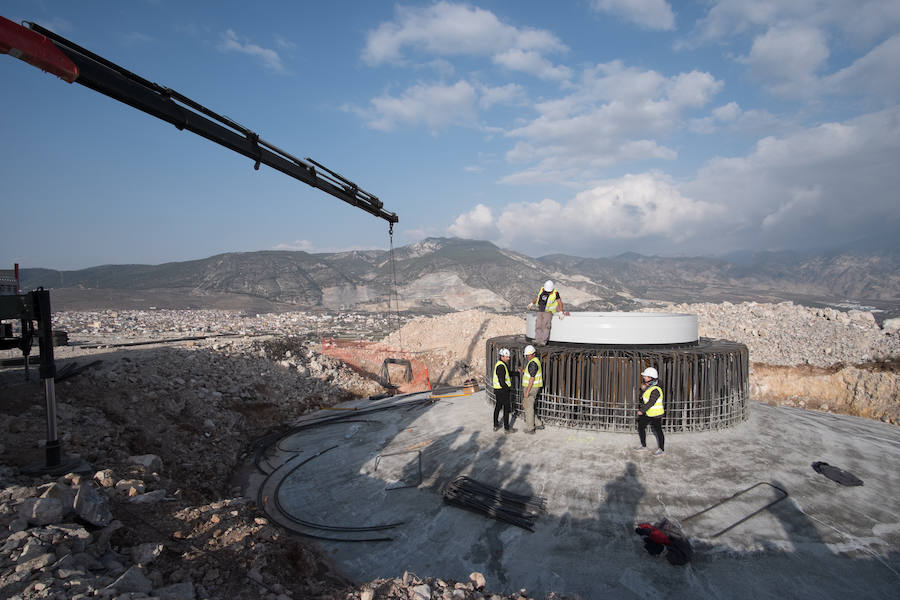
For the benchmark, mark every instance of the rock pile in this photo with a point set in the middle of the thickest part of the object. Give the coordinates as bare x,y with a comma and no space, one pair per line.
82,537
453,345
196,407
412,587
789,334
129,325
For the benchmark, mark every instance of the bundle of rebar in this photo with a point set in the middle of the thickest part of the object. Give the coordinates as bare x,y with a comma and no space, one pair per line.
516,509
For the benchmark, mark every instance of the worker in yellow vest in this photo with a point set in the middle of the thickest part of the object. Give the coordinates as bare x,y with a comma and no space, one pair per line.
547,303
532,382
502,391
651,411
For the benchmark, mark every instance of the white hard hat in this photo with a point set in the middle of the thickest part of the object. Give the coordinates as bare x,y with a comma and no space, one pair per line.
529,349
651,373
548,285
504,352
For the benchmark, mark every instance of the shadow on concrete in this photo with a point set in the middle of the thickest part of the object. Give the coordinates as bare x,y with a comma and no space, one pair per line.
597,490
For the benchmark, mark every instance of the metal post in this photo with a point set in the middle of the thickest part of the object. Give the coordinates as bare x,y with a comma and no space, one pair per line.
41,300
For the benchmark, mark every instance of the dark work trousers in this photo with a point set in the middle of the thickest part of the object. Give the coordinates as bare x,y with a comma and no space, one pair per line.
542,328
501,400
656,425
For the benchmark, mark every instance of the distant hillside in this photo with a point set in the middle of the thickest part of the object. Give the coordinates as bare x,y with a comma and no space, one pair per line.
455,274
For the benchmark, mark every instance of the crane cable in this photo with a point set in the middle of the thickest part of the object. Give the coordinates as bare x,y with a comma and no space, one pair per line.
394,284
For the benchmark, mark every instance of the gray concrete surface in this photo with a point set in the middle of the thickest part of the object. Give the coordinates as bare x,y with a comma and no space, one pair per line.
824,541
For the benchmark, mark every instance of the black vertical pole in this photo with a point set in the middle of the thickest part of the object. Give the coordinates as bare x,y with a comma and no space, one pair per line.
41,300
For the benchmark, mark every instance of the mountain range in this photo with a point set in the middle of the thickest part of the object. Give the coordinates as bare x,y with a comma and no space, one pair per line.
439,274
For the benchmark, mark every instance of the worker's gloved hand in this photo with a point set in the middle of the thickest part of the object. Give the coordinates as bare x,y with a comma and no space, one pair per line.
532,306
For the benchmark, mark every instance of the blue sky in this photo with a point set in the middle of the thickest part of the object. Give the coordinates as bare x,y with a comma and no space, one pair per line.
592,128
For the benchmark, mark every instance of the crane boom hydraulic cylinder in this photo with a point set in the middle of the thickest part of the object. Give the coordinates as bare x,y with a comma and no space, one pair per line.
72,63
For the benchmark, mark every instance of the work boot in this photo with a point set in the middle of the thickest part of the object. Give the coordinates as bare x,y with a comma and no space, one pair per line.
529,431
510,430
496,427
541,427
659,452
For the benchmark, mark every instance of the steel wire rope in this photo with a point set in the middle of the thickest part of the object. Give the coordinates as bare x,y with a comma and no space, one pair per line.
394,284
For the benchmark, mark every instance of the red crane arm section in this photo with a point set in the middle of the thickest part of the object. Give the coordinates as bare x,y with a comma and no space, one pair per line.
35,49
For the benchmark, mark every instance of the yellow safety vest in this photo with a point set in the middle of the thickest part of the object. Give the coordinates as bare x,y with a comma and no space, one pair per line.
657,408
552,302
497,385
538,380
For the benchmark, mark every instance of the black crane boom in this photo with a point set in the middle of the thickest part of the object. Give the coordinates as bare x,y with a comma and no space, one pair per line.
76,64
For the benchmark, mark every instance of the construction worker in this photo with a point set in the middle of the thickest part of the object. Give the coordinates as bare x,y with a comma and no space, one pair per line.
651,411
532,382
502,391
548,303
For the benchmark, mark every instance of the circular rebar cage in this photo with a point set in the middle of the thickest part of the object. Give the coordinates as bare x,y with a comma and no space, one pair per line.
705,384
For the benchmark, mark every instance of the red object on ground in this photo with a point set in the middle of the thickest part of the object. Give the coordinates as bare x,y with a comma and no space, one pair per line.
654,534
35,49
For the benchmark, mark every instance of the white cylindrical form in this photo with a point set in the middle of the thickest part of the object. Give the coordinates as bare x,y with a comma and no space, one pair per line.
629,328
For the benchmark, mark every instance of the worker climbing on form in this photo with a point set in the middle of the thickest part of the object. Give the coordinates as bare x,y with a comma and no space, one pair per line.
651,411
547,303
532,382
502,391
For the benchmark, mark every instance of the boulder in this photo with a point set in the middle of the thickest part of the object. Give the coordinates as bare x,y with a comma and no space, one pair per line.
150,463
41,511
92,506
132,580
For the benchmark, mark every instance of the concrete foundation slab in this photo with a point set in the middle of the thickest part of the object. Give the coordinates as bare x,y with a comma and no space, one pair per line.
374,468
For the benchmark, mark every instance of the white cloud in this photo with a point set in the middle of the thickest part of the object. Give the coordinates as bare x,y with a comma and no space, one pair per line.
284,43
510,93
136,37
478,223
828,184
692,89
874,75
728,113
787,59
652,14
450,29
270,59
613,116
641,208
307,246
304,245
530,61
435,106
861,21
801,205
